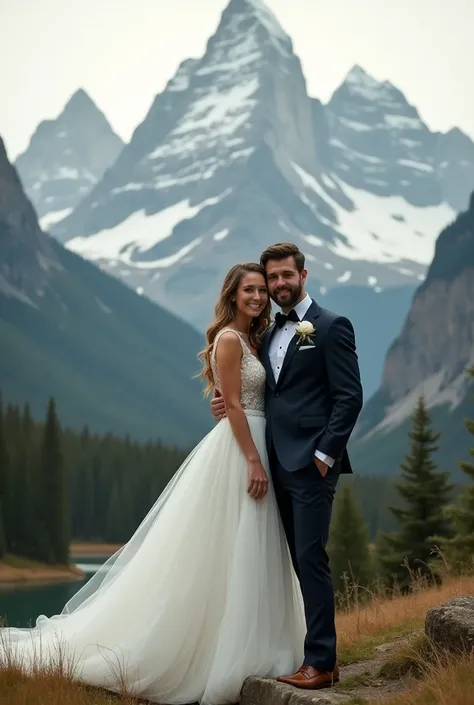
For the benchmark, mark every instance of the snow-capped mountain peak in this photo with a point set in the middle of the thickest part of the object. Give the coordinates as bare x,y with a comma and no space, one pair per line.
246,90
264,18
362,83
223,92
234,154
380,142
81,102
381,98
66,157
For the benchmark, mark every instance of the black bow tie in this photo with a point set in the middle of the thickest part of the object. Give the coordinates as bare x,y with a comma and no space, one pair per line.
281,318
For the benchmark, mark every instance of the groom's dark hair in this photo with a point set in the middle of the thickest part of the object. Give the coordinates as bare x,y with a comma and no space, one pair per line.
282,250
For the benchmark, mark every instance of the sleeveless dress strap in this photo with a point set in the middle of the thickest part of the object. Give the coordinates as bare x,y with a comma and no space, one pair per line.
228,330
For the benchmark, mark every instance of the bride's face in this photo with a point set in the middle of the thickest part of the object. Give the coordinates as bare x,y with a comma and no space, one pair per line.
252,294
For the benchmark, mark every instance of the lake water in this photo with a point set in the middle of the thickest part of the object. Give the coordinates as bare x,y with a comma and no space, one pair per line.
20,605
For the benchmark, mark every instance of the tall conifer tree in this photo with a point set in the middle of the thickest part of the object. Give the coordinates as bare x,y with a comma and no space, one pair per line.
348,548
3,482
425,493
54,510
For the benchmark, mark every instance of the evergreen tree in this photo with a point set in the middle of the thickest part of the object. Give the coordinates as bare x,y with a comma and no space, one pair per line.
348,548
3,482
53,510
459,549
114,529
100,513
88,486
24,488
92,465
3,538
425,493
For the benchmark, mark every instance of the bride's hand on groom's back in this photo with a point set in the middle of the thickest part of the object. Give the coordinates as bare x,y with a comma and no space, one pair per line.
218,406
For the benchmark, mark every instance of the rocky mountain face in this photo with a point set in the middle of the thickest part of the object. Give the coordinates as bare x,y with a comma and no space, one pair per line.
27,254
66,157
455,158
429,357
112,359
234,155
380,144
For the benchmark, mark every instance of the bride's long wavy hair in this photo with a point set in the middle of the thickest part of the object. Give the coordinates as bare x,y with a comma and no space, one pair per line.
225,312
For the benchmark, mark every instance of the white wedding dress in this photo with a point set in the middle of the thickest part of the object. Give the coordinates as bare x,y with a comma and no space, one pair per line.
202,596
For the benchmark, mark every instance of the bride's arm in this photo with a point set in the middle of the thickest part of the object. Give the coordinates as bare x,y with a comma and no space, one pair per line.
228,359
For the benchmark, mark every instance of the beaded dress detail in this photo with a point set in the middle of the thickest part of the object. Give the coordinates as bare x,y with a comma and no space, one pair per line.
252,395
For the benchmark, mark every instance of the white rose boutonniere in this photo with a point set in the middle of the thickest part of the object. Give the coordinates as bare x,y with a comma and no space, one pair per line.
305,330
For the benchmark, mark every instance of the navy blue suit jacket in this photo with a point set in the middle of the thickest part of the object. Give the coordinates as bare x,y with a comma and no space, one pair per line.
318,396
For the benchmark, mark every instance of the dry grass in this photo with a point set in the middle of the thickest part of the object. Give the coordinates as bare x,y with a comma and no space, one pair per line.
53,686
449,682
411,657
384,619
54,680
51,689
360,630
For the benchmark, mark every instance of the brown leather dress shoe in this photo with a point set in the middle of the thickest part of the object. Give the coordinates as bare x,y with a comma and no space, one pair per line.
310,678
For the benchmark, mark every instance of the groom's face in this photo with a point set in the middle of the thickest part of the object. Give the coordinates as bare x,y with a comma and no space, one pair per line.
285,282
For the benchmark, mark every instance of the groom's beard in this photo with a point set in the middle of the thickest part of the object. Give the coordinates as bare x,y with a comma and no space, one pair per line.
287,296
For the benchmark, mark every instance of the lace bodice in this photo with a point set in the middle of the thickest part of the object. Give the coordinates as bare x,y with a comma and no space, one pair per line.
252,394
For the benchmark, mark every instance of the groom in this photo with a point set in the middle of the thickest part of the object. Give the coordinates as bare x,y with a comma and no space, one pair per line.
312,401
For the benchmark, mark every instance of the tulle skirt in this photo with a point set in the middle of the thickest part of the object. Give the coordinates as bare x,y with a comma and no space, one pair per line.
202,596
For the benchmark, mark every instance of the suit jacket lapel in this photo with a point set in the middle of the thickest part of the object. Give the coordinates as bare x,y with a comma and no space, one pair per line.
311,314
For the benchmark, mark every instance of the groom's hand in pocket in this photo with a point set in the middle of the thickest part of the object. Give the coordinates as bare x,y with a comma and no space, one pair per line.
321,466
218,406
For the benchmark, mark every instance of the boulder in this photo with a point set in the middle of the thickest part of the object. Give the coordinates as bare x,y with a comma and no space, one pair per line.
451,625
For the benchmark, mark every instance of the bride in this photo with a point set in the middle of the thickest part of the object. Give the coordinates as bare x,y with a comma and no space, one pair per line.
203,595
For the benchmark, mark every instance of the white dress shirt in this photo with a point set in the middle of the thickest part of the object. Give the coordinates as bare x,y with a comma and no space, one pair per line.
277,351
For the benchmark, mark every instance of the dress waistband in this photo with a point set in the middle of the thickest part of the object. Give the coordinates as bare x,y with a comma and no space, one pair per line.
254,412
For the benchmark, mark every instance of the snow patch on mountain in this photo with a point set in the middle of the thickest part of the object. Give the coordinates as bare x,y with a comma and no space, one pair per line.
438,389
377,228
222,112
139,233
355,183
221,234
404,122
54,217
388,229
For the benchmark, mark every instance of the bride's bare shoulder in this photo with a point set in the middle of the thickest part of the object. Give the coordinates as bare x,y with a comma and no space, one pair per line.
228,344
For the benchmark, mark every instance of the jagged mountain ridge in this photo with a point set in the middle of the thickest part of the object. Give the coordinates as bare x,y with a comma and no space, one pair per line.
455,157
112,359
380,144
429,357
66,157
27,253
234,154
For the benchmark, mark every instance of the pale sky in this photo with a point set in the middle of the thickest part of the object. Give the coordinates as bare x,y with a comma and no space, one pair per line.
122,52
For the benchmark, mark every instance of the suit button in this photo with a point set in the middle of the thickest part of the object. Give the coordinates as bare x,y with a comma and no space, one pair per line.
277,394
